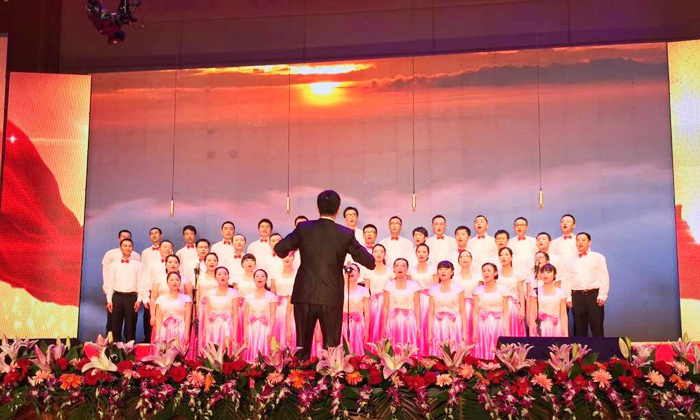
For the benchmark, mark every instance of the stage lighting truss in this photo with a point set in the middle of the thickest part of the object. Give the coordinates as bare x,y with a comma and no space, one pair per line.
110,23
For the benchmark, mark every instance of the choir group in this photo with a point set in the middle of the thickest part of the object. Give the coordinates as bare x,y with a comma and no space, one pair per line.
425,291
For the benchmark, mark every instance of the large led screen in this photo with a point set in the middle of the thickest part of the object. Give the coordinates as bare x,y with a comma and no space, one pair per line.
43,203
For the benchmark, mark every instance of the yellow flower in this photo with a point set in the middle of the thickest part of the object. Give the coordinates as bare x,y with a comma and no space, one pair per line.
444,380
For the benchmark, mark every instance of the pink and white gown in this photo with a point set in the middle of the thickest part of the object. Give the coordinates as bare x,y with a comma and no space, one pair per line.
259,324
219,327
517,327
163,289
447,325
426,280
284,285
173,313
205,284
469,286
549,310
401,326
354,320
376,304
245,286
492,323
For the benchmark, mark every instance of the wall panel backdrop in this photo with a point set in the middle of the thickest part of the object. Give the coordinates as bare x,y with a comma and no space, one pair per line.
604,130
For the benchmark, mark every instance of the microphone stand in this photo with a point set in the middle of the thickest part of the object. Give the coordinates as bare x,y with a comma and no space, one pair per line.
195,317
347,323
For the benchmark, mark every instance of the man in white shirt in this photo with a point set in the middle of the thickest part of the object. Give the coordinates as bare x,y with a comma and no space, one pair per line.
189,269
501,239
524,247
565,245
110,256
369,237
441,245
420,234
234,266
543,241
188,252
125,291
396,245
224,248
151,253
261,248
352,216
271,263
462,234
483,244
589,281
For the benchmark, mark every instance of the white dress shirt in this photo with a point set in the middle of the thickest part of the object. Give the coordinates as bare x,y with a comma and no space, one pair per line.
397,248
260,248
440,249
564,247
187,269
125,276
187,253
153,272
149,255
587,271
272,264
225,253
524,250
359,236
485,249
111,256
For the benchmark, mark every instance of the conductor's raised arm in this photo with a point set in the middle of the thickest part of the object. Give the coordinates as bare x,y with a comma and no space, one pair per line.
287,245
360,255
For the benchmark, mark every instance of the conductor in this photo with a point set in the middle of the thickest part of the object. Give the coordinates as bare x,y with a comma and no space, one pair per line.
318,287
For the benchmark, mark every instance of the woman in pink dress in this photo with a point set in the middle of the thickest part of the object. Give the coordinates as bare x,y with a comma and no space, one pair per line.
282,286
259,320
551,305
532,283
221,311
490,313
426,276
402,307
514,282
469,280
160,287
206,283
173,313
375,280
447,319
355,312
245,284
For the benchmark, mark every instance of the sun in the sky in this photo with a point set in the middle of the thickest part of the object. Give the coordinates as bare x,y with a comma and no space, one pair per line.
323,93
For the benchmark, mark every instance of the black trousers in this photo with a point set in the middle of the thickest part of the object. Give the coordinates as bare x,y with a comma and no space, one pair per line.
146,325
109,321
587,313
123,316
330,318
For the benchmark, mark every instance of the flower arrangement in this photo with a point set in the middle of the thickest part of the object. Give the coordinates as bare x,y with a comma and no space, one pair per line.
387,382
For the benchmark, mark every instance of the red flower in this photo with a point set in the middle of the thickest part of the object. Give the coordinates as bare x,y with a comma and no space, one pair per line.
539,367
91,378
62,363
580,381
157,378
495,376
124,365
13,376
587,369
469,360
561,377
626,382
227,368
663,367
414,382
254,373
239,365
355,362
145,371
194,364
430,378
375,377
636,373
177,373
521,386
82,363
440,367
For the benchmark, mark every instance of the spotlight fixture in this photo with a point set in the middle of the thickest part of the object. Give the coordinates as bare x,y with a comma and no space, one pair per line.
110,23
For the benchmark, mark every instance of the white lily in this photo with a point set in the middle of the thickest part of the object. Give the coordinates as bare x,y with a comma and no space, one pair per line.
696,358
453,354
100,362
643,353
333,362
99,344
56,351
126,347
215,355
402,356
41,360
514,356
163,360
12,349
683,347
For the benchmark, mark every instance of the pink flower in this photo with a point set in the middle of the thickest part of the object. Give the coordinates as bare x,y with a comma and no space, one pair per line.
428,363
274,378
602,378
466,371
542,381
196,378
655,378
489,365
680,367
444,380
